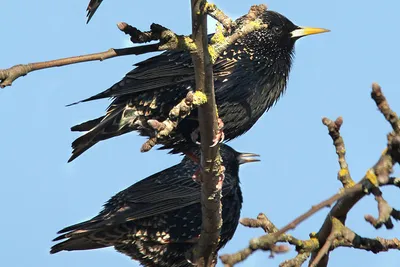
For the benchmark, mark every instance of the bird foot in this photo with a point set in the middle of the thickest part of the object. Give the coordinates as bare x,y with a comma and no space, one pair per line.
221,178
195,159
195,136
196,176
220,136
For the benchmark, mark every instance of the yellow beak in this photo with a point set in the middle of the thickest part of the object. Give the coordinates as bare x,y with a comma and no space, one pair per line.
304,31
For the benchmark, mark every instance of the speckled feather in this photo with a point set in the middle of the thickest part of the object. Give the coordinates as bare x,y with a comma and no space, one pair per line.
250,76
158,219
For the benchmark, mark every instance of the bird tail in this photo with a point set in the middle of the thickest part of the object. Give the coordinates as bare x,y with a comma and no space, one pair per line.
92,7
100,129
79,238
76,244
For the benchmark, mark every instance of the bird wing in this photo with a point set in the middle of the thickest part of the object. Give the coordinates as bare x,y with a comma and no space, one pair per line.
164,71
157,194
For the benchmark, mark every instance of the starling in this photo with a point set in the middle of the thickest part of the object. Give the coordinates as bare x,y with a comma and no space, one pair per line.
91,9
249,77
157,220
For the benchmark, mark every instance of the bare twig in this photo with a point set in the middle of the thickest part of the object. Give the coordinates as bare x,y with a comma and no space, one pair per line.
296,261
334,131
177,114
384,107
261,222
384,210
250,23
376,176
167,41
7,76
348,238
333,232
213,11
267,241
394,181
324,250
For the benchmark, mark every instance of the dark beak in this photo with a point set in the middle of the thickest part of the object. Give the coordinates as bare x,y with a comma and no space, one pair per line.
247,157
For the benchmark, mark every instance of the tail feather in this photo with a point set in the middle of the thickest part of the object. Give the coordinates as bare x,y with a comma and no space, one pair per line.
76,244
76,226
101,95
95,134
86,126
92,7
79,238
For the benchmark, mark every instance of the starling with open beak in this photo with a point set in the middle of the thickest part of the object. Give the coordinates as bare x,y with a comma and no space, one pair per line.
249,77
157,220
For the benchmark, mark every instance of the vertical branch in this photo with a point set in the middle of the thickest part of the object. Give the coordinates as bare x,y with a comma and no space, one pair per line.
204,252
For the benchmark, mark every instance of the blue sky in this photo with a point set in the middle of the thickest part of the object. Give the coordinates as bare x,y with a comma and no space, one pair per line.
40,193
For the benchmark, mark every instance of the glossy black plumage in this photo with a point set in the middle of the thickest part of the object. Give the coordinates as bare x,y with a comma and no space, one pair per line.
250,76
92,7
158,219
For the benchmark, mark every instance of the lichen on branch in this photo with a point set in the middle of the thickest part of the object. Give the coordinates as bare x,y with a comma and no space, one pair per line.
334,232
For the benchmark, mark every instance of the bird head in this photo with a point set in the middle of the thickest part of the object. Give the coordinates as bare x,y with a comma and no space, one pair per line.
283,33
232,158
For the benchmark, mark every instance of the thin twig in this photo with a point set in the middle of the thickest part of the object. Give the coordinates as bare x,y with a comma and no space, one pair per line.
384,210
250,23
168,40
176,115
296,261
7,76
267,241
384,107
213,11
334,131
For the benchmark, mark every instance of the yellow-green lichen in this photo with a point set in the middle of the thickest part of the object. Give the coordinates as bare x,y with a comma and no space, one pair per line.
199,98
209,6
189,44
349,183
256,24
218,37
371,176
213,54
343,172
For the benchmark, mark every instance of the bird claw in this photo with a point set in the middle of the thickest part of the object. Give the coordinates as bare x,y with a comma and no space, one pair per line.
194,136
221,178
196,176
220,136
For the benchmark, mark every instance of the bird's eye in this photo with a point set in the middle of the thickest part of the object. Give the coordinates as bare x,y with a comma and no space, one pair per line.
277,29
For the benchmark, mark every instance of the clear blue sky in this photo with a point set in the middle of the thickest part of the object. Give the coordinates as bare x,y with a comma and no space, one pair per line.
40,193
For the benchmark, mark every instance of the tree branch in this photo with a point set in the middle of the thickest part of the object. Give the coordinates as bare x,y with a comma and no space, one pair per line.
167,41
203,253
213,11
333,233
334,131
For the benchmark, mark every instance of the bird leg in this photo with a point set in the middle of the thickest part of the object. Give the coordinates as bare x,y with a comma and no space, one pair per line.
219,137
195,159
